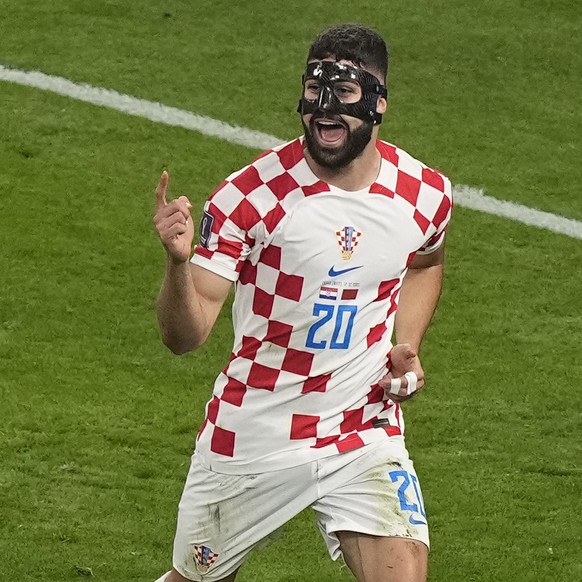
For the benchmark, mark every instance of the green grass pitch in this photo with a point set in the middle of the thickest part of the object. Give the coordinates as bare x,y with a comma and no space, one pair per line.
97,419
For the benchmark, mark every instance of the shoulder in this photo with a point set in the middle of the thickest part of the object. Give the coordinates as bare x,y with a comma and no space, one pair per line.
409,167
249,195
266,167
425,191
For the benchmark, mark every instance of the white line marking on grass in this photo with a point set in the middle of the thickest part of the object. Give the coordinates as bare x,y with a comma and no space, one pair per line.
466,196
141,108
474,198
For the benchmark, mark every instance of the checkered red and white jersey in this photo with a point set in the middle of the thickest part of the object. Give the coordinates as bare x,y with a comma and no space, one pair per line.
318,271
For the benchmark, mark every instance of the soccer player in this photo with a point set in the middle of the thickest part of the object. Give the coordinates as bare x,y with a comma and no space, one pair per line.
335,244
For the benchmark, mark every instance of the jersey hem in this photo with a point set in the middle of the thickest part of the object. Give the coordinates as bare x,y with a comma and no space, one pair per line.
289,459
216,268
431,249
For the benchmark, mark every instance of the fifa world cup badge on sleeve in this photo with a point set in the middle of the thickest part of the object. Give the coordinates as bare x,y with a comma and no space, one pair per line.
205,229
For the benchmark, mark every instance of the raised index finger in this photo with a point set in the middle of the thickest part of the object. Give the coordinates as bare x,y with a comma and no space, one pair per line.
161,191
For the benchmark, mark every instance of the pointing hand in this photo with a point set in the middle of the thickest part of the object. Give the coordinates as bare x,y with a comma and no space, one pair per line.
173,222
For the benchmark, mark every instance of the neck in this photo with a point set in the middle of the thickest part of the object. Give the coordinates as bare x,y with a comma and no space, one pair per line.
358,174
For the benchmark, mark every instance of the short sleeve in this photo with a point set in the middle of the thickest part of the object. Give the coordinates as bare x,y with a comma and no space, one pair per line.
225,237
440,220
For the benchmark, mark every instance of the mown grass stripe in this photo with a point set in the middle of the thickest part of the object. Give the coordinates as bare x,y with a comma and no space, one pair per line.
466,196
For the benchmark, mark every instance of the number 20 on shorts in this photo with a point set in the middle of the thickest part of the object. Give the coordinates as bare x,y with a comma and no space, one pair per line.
333,329
405,480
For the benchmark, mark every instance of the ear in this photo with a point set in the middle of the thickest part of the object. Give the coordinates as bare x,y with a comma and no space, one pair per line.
382,105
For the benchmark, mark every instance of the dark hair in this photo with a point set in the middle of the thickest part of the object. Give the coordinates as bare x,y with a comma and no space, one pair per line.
354,42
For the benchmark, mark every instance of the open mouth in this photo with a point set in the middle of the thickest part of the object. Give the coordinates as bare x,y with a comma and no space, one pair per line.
330,132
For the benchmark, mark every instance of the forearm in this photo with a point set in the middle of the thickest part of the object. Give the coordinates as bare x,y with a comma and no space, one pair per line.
183,324
419,296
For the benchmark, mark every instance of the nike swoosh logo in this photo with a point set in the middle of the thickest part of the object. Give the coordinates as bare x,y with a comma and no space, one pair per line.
333,273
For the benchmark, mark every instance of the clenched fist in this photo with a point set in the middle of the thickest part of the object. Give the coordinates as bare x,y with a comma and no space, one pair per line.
406,375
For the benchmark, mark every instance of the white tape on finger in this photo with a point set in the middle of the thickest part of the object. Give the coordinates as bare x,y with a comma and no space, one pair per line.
395,384
412,382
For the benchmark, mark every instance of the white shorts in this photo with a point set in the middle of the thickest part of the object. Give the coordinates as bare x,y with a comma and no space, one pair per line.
221,518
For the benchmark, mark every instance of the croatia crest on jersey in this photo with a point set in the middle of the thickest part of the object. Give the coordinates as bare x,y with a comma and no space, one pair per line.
348,238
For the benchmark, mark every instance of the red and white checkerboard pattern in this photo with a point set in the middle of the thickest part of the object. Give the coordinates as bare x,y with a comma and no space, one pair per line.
424,192
278,402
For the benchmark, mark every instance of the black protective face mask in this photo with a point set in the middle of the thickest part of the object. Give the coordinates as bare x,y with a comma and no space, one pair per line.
327,74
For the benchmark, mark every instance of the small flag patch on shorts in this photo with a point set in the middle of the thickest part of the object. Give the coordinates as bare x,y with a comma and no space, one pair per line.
204,558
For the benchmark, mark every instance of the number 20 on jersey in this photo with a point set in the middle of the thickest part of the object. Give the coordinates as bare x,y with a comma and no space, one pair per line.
333,328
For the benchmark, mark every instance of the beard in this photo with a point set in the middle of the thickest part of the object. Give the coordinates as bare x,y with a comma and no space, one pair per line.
335,158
